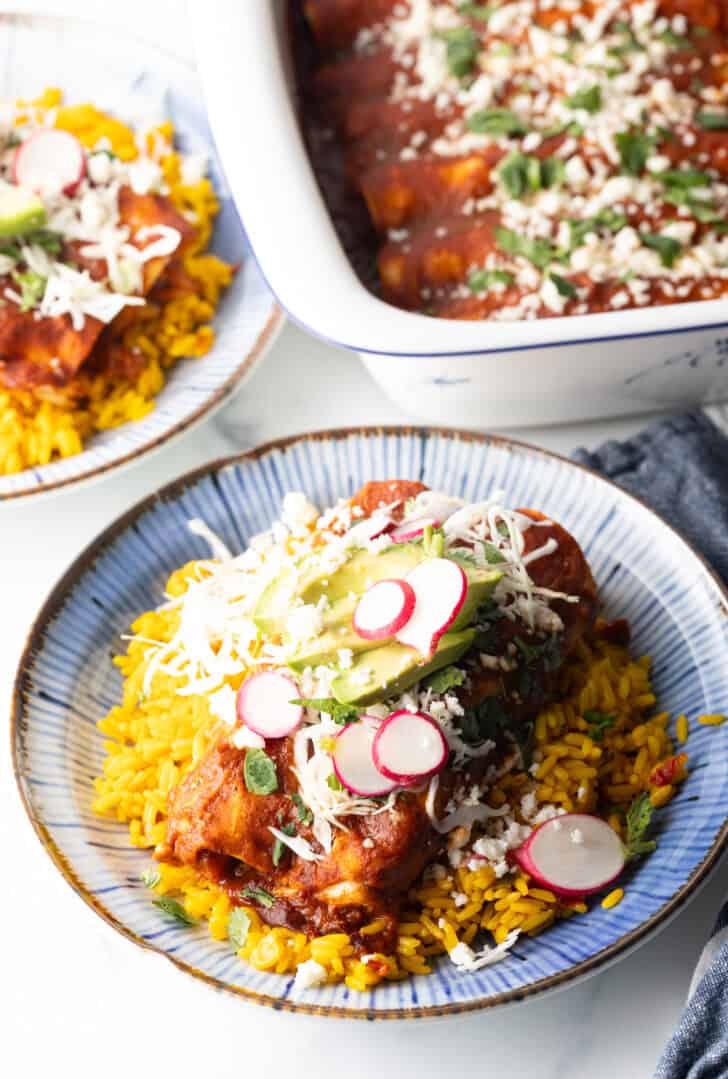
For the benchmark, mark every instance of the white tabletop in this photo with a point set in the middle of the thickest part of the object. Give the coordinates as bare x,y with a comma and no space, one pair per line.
79,999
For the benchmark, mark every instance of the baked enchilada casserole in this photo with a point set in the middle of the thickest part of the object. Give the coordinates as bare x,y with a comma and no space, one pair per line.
520,159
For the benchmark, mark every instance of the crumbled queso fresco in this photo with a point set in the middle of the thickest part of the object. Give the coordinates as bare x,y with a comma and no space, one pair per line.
609,163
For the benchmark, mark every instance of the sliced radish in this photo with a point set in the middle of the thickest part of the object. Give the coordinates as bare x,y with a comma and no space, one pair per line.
50,162
573,855
264,704
409,530
383,609
354,763
434,504
440,587
409,747
369,529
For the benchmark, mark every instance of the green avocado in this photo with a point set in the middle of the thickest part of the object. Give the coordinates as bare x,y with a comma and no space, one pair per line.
20,210
342,587
391,669
481,582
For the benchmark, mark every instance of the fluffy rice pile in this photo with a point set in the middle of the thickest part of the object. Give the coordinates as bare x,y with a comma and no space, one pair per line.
155,740
38,426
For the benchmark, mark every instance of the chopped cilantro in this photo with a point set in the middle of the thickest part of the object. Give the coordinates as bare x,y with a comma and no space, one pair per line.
713,121
477,11
260,772
564,287
32,286
607,219
238,927
666,247
279,847
634,149
150,878
333,782
496,122
684,178
482,280
340,713
676,41
639,816
462,47
590,100
483,722
502,48
572,128
174,910
539,251
599,722
520,173
492,555
304,813
447,678
258,895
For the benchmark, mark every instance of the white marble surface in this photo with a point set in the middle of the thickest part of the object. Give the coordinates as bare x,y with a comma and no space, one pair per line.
79,999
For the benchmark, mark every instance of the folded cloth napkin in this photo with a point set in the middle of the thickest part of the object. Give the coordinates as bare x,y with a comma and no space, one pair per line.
679,466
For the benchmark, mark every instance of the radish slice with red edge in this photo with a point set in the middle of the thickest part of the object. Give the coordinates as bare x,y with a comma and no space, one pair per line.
264,704
369,529
409,530
50,162
409,747
383,609
440,587
354,763
572,855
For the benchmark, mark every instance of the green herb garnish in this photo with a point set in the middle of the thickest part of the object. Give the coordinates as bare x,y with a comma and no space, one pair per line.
539,251
32,286
446,679
238,927
564,287
174,910
258,895
279,847
260,772
520,173
599,722
340,713
482,280
634,149
492,555
676,41
590,99
304,813
713,121
608,220
638,820
150,878
477,11
333,782
496,122
666,247
462,46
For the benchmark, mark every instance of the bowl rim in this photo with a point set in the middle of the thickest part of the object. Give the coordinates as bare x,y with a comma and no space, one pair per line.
310,273
84,561
213,401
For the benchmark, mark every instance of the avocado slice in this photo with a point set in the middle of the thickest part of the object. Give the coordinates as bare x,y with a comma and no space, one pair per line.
310,583
364,569
391,669
20,210
481,582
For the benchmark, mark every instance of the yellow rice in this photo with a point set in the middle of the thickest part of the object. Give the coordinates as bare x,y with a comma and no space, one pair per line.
153,742
38,426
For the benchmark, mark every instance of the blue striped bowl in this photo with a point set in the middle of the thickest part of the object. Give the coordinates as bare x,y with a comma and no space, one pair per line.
646,572
135,79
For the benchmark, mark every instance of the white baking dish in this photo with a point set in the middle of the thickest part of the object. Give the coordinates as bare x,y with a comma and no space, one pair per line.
470,373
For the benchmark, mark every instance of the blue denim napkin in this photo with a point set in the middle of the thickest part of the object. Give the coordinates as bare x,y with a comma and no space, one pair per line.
679,466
